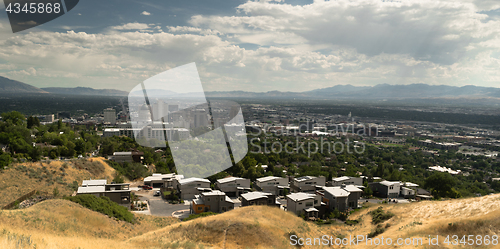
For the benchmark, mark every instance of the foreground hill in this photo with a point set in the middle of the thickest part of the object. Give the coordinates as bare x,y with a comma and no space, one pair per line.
62,224
14,86
20,179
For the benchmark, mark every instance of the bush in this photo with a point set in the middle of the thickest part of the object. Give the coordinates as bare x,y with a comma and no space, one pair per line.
103,205
377,231
194,216
379,216
352,222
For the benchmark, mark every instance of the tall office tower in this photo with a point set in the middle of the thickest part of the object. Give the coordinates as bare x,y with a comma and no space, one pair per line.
173,108
200,118
49,118
110,116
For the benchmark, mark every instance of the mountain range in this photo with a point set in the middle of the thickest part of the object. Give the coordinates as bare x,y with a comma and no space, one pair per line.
381,91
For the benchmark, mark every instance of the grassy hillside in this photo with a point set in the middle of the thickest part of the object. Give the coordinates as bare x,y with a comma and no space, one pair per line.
20,179
62,224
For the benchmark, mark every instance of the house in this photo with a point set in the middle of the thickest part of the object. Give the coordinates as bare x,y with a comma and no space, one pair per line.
119,193
233,186
307,183
338,198
407,192
215,201
158,180
272,184
128,156
347,180
190,187
354,195
307,204
170,181
386,189
259,198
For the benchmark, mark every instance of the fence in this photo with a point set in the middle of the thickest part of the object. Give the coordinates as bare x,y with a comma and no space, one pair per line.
19,200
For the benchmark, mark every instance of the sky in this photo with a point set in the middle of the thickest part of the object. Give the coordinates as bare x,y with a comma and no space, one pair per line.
260,45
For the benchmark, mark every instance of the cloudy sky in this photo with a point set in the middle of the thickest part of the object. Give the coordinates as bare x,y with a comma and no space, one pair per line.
286,45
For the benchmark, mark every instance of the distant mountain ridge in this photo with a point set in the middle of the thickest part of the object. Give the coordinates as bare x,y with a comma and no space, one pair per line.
380,91
85,91
13,86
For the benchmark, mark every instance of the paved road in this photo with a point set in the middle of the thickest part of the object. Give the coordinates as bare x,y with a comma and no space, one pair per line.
159,207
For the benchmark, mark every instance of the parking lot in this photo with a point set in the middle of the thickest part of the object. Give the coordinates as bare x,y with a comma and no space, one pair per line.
158,206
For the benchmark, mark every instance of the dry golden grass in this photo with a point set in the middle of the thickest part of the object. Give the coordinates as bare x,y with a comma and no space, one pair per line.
62,224
15,183
247,227
471,216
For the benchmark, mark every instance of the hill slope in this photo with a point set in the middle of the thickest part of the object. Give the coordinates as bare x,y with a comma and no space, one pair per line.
22,178
14,86
62,224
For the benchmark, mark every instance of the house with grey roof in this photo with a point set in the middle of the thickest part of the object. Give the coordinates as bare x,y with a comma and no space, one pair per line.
189,187
215,201
307,183
272,184
308,204
259,198
386,189
119,193
337,198
347,180
233,186
354,195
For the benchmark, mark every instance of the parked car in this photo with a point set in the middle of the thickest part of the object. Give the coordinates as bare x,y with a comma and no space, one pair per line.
157,193
146,187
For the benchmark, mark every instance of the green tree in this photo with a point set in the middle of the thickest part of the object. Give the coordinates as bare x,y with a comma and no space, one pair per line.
15,118
441,185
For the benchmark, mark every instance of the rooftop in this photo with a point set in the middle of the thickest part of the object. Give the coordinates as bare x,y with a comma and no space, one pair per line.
192,179
352,188
342,178
91,189
336,191
304,178
213,193
388,183
300,196
267,178
255,195
229,179
101,182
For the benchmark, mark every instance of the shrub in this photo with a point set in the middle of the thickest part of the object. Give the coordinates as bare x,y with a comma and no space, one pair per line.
379,216
103,205
352,222
378,230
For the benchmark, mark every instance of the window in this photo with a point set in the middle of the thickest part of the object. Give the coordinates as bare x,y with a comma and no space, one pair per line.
208,199
309,204
200,208
300,203
315,201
